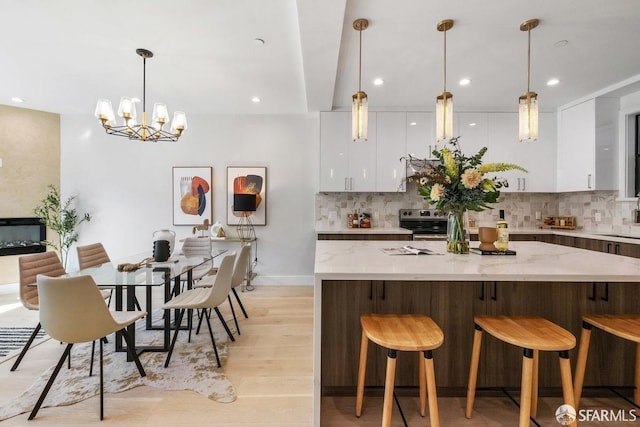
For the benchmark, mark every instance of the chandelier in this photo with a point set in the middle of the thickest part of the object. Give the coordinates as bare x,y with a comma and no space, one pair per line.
127,111
444,101
528,101
359,102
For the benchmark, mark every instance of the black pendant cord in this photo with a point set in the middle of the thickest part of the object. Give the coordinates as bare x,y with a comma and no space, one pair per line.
144,85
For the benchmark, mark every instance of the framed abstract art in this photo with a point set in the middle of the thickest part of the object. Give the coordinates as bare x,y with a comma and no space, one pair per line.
192,195
243,181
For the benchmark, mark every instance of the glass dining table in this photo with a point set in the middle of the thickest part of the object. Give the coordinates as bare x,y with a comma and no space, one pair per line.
148,274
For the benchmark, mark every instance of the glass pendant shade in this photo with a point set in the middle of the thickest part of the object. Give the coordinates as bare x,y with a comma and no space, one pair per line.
104,112
359,116
528,101
179,122
127,108
444,116
528,117
160,114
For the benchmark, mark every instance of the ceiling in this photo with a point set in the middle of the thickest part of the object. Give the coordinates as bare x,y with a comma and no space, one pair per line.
61,56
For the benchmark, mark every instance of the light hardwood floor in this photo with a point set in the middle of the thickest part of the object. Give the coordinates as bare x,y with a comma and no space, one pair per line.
270,365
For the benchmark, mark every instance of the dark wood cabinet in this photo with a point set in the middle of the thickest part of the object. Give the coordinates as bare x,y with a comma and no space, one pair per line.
608,246
452,305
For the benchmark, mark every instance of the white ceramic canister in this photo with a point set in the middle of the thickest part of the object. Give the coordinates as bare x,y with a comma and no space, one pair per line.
169,236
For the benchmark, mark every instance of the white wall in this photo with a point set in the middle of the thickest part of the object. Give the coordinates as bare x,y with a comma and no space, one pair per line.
126,185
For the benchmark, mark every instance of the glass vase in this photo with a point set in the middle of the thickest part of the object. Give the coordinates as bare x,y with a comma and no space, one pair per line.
457,239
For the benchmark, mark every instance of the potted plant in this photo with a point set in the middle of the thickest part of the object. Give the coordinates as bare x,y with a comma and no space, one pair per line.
60,216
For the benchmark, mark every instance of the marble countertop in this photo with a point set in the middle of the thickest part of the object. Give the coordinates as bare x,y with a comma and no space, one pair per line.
535,261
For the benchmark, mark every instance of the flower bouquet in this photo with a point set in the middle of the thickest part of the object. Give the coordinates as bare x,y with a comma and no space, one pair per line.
456,183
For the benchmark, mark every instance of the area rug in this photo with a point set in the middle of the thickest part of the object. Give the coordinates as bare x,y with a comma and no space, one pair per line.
12,339
193,367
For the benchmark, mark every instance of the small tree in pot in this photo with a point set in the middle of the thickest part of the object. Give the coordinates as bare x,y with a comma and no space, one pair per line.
61,217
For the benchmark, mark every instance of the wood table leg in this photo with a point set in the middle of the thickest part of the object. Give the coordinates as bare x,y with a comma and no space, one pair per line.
423,386
567,384
581,363
434,416
636,393
473,370
389,382
362,369
525,388
534,384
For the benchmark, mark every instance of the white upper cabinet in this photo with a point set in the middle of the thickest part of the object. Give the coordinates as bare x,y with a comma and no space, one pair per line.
346,165
499,133
421,135
587,146
391,142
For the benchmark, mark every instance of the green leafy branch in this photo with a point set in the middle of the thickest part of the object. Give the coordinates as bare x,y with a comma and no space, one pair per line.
60,216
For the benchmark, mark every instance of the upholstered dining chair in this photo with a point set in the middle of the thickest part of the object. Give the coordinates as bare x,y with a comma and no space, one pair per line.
95,255
29,266
198,247
203,298
239,275
72,310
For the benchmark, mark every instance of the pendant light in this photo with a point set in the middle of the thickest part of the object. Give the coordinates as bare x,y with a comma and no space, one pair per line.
528,101
444,101
359,103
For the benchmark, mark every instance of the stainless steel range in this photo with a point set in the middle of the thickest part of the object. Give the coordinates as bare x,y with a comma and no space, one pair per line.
426,224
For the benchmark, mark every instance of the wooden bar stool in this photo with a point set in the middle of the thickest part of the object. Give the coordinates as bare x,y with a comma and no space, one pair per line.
623,326
401,332
533,334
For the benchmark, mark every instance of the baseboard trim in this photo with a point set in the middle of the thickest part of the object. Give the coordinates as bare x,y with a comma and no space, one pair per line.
260,280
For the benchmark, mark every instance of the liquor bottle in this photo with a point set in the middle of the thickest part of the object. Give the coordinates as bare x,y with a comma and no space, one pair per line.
502,244
355,220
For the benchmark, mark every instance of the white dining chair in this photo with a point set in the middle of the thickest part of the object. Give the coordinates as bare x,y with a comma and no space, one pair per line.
72,310
198,247
201,299
239,275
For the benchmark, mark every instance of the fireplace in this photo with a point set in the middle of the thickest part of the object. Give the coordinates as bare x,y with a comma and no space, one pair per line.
20,236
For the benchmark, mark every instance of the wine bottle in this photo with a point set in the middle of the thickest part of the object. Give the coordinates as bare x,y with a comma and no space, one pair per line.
502,244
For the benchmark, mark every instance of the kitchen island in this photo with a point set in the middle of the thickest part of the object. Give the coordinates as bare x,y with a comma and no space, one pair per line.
557,282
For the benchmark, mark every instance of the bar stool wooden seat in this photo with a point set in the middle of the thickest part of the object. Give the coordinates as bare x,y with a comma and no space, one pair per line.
623,326
533,334
401,332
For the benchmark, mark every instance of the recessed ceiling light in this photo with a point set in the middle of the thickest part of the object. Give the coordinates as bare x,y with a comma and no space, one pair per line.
465,81
17,99
378,82
256,99
561,43
472,124
553,82
413,124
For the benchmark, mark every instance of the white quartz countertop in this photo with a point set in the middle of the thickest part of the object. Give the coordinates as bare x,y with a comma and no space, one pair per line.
534,261
375,230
